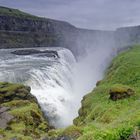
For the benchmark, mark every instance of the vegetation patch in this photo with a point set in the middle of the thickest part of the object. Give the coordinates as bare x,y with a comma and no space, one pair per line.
102,119
23,117
119,91
16,13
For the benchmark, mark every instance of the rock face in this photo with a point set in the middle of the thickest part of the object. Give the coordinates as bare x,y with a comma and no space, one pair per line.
20,30
10,92
47,53
20,115
5,117
127,36
120,91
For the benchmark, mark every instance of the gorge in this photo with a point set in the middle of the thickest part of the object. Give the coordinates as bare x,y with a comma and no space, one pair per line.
61,63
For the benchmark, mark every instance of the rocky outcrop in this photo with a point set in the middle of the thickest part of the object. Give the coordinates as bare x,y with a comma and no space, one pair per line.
20,30
10,92
120,92
5,117
20,114
47,53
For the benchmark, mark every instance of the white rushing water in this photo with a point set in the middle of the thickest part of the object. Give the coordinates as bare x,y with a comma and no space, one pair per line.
58,83
53,87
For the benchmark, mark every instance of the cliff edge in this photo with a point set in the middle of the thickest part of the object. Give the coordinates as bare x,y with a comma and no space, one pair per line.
20,115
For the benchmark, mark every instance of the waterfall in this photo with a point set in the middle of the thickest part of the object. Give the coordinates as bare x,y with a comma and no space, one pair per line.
51,81
58,83
53,87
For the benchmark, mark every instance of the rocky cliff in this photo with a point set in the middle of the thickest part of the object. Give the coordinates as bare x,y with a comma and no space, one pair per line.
20,116
19,29
110,112
127,36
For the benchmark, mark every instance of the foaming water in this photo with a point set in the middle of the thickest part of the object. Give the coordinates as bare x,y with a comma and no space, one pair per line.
53,87
58,83
51,80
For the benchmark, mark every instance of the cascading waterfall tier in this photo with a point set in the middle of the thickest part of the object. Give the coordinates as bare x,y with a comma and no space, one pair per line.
57,80
51,80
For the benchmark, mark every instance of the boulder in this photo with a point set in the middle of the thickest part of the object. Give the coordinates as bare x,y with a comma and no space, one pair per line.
98,83
5,117
119,91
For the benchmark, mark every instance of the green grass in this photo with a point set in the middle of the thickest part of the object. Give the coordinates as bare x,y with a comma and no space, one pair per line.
16,13
104,119
28,120
99,118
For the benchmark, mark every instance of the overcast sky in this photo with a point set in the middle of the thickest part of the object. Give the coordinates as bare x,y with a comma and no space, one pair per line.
92,14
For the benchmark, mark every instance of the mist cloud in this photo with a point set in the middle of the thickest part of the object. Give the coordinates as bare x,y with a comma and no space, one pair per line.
93,14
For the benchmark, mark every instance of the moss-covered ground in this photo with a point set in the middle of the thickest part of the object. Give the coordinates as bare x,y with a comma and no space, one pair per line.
100,118
28,121
103,119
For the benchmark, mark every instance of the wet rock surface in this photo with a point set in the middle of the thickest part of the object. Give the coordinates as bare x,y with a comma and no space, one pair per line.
47,53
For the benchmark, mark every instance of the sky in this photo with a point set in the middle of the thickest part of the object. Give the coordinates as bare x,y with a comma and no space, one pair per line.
91,14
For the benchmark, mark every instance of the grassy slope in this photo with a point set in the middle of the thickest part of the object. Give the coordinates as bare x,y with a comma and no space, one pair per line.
28,122
16,13
103,119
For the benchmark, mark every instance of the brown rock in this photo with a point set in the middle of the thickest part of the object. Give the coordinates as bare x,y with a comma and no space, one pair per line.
98,83
10,92
120,91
